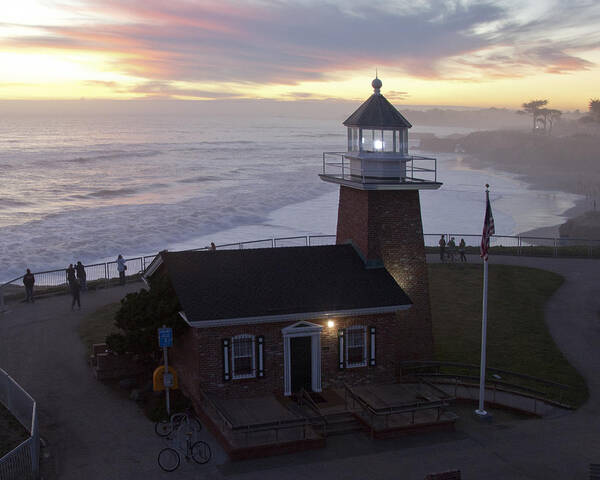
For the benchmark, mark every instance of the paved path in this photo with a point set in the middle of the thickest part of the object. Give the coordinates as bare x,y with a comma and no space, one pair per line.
94,434
91,431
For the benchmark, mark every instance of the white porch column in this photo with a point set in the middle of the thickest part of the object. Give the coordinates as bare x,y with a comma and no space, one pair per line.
287,371
315,347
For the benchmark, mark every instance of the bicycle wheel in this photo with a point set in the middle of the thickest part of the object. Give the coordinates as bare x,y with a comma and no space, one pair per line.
163,428
168,459
201,452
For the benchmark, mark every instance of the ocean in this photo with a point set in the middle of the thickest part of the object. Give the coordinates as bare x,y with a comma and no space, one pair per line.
90,187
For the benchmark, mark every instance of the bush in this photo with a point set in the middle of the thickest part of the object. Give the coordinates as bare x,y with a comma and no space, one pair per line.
141,314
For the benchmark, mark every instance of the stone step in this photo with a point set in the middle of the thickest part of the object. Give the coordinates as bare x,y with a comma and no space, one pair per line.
342,423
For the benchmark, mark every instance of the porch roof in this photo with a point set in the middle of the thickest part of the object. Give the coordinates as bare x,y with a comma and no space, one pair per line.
278,282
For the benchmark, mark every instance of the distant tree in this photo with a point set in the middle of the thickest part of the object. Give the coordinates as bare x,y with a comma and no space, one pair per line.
595,109
547,117
533,108
141,314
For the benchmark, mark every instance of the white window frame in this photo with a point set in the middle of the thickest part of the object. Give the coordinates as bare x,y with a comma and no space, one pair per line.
347,336
245,375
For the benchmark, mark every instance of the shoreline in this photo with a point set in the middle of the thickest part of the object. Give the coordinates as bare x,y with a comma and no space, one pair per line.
536,183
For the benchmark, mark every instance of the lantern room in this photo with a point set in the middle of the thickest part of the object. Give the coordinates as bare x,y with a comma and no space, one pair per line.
378,156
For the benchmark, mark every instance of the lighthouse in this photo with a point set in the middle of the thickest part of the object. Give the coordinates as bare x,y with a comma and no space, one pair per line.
379,207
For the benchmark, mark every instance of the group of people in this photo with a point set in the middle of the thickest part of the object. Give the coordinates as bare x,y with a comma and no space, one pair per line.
76,278
448,250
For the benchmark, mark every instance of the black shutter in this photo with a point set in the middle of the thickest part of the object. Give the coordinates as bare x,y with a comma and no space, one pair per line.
341,352
226,359
260,357
372,349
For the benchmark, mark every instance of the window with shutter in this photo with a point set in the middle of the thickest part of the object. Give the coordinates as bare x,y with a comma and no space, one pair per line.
356,347
243,360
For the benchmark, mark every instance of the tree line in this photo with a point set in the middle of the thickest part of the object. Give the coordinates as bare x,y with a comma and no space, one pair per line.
544,118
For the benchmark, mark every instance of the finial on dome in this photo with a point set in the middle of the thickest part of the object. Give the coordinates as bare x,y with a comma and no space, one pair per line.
376,83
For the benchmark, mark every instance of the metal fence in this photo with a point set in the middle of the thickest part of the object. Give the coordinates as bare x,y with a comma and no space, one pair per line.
23,462
101,275
521,245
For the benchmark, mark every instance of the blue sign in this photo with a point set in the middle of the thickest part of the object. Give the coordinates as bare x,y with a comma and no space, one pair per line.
165,337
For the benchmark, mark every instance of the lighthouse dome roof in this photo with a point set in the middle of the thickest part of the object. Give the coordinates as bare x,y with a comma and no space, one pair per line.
377,112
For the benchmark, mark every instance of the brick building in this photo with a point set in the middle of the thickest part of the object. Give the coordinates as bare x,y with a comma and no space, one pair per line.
283,320
266,321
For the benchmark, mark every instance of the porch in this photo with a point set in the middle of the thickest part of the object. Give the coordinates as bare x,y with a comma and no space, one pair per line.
273,425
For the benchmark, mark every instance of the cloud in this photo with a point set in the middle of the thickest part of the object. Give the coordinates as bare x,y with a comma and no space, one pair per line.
286,42
168,89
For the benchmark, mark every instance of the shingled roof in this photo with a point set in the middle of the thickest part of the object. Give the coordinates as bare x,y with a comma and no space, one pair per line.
274,282
377,112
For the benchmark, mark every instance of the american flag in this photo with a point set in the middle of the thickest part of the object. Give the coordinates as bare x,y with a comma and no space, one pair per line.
488,227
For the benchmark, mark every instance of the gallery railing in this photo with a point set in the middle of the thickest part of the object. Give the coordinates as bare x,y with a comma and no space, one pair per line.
23,461
101,275
368,168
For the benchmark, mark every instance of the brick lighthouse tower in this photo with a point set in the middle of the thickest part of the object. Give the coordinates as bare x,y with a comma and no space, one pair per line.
379,208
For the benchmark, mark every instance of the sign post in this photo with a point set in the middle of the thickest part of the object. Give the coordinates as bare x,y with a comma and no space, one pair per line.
165,340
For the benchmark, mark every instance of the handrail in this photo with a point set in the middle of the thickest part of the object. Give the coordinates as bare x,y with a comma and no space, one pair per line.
432,363
305,396
403,408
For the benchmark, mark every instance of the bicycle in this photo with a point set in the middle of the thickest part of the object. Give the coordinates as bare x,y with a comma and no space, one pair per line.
169,458
164,428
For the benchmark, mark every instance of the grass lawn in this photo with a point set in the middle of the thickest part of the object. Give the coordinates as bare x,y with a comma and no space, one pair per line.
12,433
97,325
517,337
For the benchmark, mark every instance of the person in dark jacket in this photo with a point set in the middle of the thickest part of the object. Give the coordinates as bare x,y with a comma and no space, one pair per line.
71,274
28,281
73,287
442,244
81,275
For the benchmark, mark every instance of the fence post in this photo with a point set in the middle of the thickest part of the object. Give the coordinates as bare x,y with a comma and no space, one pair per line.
1,299
106,279
35,444
555,248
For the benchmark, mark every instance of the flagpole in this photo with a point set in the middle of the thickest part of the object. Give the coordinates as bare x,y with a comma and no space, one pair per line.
481,410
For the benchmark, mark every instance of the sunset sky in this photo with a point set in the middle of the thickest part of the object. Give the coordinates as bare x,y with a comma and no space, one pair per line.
427,52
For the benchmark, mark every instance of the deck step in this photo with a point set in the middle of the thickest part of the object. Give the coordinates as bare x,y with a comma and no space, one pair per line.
342,423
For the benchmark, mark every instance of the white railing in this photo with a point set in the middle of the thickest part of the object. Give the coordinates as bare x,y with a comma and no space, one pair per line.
23,461
412,169
101,275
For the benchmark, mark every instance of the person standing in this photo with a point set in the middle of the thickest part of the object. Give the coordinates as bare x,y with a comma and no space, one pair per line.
451,249
121,267
71,274
81,276
28,281
442,244
73,287
462,247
